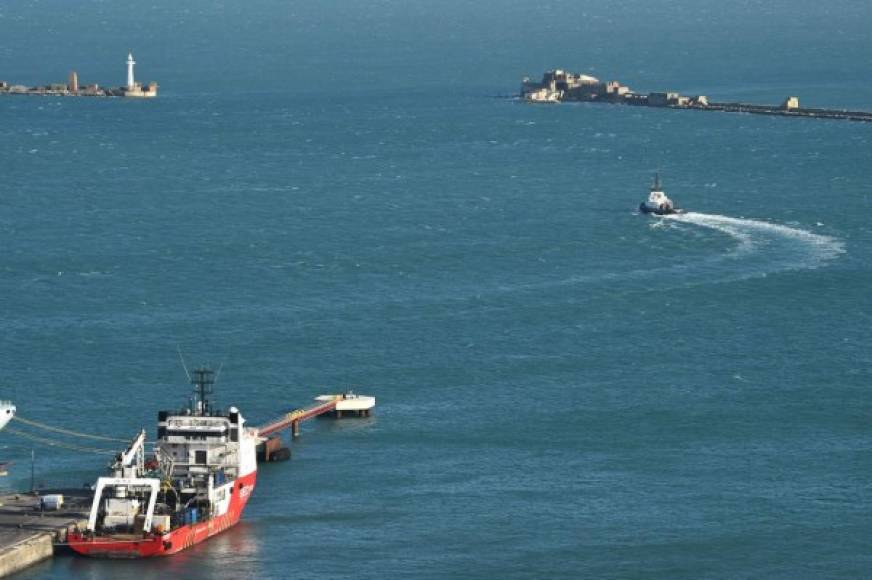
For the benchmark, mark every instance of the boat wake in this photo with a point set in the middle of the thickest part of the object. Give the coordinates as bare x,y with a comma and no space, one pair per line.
762,249
766,248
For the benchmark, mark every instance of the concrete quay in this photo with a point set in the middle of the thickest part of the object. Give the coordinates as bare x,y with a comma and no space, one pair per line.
29,535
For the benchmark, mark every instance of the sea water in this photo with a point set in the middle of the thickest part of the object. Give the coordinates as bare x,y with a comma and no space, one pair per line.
340,195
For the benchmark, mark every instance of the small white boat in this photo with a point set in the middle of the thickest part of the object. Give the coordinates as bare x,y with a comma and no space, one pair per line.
658,203
7,411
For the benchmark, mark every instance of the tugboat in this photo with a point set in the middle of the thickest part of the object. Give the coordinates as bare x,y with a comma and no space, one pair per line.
657,202
195,485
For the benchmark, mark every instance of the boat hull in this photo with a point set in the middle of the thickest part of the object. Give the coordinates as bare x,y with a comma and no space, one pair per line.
659,211
125,547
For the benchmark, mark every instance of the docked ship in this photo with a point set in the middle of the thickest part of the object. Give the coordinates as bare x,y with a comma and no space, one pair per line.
658,203
194,485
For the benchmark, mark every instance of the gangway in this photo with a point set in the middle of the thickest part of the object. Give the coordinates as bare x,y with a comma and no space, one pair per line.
349,402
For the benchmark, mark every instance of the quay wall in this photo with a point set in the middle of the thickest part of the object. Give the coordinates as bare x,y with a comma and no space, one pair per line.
29,533
25,553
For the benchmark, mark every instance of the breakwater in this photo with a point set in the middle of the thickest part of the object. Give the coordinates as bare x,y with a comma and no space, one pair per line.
561,86
784,112
72,88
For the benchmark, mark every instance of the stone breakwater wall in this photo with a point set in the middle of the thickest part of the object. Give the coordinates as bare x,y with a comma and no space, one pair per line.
562,86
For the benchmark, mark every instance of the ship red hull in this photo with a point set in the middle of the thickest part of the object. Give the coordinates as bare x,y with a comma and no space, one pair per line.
171,542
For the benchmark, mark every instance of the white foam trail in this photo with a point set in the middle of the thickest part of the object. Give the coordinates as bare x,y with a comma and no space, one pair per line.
803,249
763,249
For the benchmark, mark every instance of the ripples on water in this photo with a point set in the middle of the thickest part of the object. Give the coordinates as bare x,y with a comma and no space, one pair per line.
567,389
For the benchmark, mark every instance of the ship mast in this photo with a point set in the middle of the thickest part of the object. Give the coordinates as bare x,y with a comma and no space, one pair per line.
203,379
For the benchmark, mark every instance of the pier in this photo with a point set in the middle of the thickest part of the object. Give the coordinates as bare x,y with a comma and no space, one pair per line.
348,404
559,86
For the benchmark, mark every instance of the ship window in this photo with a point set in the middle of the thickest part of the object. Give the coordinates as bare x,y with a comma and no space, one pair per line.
200,457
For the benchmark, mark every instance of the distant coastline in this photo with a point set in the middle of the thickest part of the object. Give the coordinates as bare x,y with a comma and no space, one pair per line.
559,86
72,88
63,90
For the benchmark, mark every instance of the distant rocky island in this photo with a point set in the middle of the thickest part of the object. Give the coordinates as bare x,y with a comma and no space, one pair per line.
72,88
560,86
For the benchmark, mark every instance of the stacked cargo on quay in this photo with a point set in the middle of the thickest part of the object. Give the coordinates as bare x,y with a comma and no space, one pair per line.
72,88
562,86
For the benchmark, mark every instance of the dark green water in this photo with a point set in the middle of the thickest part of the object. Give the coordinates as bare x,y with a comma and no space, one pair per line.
330,195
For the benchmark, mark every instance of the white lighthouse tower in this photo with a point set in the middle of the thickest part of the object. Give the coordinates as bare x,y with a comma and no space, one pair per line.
130,63
133,88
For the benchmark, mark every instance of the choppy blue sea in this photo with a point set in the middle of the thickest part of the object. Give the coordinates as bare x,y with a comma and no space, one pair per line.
331,195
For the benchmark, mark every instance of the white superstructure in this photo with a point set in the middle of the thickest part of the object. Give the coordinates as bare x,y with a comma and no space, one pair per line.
657,199
658,203
207,451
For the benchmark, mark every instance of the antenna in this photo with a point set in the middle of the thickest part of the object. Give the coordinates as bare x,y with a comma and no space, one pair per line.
181,358
218,372
202,381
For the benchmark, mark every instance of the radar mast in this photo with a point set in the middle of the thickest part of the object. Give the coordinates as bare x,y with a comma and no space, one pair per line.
203,379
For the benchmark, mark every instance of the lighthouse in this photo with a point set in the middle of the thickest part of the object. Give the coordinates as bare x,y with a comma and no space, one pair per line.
133,88
130,63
